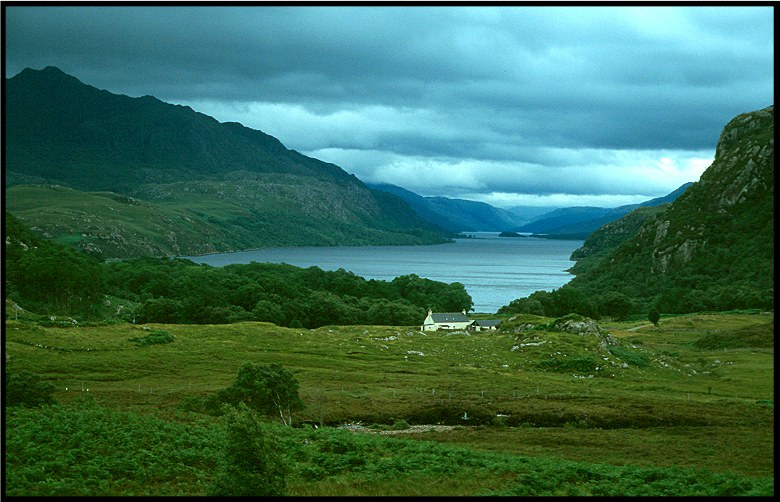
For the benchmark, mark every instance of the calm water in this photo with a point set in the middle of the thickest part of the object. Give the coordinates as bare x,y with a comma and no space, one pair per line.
495,270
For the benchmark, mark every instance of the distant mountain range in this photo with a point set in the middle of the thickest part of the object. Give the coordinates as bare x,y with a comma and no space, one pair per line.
456,215
579,222
121,176
459,215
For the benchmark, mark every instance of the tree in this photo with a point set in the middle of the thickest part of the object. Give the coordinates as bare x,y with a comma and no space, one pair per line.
615,305
162,310
523,306
267,388
654,315
394,313
252,462
60,276
568,300
267,311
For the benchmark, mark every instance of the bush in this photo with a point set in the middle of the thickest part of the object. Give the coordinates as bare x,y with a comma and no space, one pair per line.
252,463
26,389
585,364
156,336
400,425
629,356
654,316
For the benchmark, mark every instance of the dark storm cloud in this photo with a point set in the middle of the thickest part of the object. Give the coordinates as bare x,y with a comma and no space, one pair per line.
537,94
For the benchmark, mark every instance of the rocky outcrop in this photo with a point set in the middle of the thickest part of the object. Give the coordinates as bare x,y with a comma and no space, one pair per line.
715,240
742,169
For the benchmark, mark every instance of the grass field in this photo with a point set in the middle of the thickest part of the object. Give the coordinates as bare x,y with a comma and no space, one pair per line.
694,394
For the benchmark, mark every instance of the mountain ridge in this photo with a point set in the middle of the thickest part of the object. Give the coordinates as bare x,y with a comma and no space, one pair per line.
244,187
456,215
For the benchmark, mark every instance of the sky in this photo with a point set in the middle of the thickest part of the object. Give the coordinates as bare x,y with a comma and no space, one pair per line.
512,105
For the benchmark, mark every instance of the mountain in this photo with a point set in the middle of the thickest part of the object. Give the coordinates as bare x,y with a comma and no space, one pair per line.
579,222
563,217
456,215
710,249
237,187
530,213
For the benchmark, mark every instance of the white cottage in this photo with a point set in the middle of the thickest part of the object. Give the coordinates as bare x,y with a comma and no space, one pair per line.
446,320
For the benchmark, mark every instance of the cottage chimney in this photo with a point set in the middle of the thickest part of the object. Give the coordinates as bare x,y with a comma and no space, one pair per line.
464,311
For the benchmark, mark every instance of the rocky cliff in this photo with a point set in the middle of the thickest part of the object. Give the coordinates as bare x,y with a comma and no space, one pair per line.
713,247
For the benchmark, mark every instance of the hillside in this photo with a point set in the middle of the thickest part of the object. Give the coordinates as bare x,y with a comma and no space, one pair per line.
456,215
608,237
713,247
239,185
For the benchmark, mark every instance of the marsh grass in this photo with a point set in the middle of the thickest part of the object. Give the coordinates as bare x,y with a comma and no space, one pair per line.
673,405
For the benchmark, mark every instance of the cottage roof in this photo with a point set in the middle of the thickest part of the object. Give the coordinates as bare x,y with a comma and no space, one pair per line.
449,317
486,323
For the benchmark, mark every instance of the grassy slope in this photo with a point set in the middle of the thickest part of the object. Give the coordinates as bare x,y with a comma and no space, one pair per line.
686,407
107,221
200,217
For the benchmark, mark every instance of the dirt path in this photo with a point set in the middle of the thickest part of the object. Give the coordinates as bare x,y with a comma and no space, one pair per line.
411,430
419,428
639,327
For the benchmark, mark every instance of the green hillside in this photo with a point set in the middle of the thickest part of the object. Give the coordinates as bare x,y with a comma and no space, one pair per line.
200,217
236,187
711,249
603,241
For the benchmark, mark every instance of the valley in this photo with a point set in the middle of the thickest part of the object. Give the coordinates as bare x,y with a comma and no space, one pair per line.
124,362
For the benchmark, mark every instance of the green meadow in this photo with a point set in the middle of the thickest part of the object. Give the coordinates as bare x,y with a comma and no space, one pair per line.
685,407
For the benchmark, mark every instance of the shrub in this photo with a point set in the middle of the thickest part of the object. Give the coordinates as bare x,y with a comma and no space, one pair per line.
654,316
155,336
629,356
26,389
252,463
585,364
400,425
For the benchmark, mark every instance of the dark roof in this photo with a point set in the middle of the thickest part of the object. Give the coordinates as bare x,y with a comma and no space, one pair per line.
488,322
449,317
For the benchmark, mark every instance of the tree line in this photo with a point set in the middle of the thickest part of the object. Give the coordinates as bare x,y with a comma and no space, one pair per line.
180,291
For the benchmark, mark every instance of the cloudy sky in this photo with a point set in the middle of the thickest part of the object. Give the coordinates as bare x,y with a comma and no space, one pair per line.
511,105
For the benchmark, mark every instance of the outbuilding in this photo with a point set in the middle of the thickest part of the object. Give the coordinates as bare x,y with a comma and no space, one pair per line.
486,324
